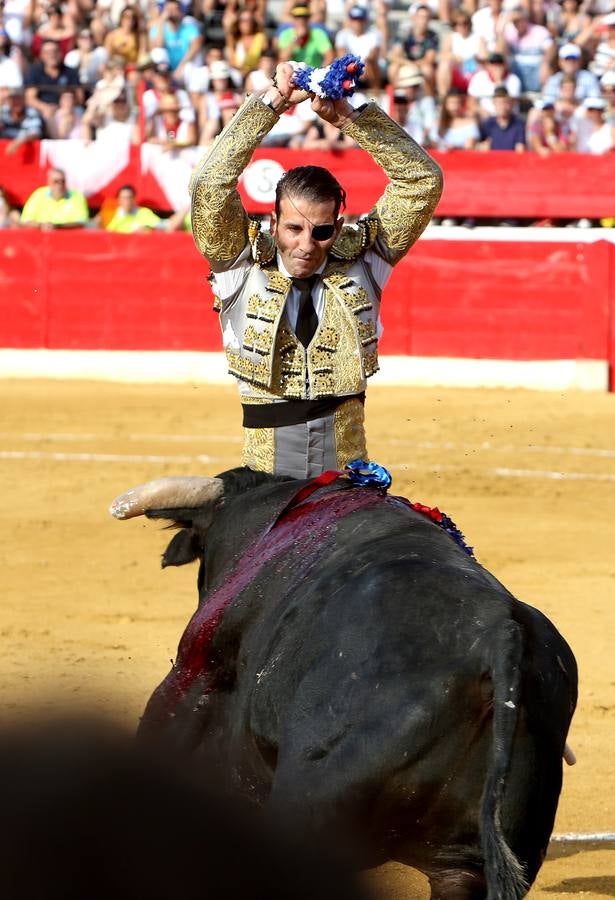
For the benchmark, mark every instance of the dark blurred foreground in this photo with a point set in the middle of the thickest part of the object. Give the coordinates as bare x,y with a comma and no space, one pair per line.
87,813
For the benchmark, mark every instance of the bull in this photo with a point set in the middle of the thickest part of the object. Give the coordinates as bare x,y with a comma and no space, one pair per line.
355,667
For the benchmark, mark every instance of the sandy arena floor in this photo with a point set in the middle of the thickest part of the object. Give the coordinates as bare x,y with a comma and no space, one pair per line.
86,612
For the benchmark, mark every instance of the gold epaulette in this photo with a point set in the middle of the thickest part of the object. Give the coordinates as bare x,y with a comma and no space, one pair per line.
262,243
355,240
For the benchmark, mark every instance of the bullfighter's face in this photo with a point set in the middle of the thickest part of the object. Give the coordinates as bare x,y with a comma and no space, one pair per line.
301,253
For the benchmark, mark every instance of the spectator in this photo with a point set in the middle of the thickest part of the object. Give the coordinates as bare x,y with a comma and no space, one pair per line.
604,56
322,135
181,38
10,73
505,130
488,25
16,20
261,77
594,133
245,42
19,123
419,46
117,125
483,83
107,89
87,60
129,217
172,127
55,206
364,41
547,134
199,81
303,42
586,83
46,80
461,50
128,40
59,28
607,87
162,84
569,22
9,217
409,99
532,50
65,123
456,130
216,103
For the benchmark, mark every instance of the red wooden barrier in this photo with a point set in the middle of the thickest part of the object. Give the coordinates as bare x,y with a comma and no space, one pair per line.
476,184
468,299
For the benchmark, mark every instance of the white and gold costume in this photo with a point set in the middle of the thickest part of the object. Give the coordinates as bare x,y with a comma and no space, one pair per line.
309,434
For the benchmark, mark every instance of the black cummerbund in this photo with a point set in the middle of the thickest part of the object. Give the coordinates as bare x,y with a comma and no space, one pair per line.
292,412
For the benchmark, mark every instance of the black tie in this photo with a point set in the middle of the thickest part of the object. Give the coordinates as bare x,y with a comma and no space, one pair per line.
307,320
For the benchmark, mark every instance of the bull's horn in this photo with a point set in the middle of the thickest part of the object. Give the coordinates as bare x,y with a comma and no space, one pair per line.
569,755
173,492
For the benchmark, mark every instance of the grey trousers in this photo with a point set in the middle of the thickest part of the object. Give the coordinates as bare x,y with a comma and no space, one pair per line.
310,448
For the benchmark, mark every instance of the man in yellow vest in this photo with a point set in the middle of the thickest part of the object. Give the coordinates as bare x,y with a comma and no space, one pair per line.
55,206
129,217
299,304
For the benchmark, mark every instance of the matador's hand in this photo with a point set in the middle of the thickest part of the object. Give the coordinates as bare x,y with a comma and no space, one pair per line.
283,82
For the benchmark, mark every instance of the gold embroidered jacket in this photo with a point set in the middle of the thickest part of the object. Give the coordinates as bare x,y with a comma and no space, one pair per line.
262,350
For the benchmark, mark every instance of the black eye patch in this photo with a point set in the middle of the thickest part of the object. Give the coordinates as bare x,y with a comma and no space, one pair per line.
323,232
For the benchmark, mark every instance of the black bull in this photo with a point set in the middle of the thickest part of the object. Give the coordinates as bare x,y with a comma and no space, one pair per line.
352,664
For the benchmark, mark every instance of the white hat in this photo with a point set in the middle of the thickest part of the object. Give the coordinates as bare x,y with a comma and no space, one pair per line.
570,51
608,79
219,68
408,75
595,103
159,56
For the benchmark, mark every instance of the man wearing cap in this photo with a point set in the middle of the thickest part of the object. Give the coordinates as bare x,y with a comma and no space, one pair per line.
304,43
587,85
362,40
299,304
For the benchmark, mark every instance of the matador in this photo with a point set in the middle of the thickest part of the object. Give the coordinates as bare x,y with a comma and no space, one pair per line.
299,304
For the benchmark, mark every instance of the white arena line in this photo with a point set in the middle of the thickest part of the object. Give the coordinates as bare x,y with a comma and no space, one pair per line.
236,439
574,837
499,472
502,472
104,457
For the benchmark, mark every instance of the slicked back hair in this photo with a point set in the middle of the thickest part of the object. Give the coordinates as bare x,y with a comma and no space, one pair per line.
313,183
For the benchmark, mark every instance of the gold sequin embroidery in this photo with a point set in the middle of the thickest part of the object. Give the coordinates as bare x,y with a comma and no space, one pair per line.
350,432
219,221
408,201
259,449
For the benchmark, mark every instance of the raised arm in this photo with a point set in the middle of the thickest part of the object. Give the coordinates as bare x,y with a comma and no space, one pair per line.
219,221
415,179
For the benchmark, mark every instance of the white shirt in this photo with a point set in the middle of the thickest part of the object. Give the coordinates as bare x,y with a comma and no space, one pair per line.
10,76
358,44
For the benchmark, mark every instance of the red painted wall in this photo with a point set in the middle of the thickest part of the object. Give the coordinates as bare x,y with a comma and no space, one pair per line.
570,185
473,299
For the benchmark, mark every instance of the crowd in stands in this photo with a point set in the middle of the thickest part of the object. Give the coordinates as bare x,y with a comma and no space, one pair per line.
521,75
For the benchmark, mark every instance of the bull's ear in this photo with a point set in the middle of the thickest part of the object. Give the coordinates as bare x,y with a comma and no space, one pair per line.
185,547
